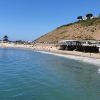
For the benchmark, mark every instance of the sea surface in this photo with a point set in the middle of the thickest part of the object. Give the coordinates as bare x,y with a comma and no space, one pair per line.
29,75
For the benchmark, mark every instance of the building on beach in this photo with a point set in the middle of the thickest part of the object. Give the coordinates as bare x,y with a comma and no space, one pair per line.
79,45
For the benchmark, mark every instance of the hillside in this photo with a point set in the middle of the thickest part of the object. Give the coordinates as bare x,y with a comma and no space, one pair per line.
87,29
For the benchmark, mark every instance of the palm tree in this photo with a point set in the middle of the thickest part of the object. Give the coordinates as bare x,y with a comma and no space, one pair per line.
80,17
89,16
5,38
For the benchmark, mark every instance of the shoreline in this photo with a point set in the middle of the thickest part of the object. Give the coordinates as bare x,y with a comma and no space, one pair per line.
91,58
93,61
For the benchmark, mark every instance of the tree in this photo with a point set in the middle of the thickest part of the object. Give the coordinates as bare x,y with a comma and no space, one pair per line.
89,16
80,17
5,38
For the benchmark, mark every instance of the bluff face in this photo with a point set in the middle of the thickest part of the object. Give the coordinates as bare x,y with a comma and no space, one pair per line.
81,30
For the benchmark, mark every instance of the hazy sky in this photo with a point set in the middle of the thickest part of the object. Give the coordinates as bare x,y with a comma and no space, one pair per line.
29,19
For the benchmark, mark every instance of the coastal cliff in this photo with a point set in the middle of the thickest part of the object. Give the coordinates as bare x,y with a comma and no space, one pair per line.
85,29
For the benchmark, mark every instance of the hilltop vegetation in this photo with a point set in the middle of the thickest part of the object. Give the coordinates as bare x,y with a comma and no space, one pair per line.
82,29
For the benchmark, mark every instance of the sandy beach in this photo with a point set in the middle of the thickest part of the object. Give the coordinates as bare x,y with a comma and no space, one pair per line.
53,49
93,58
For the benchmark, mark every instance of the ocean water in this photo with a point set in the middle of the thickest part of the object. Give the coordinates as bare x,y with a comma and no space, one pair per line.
29,75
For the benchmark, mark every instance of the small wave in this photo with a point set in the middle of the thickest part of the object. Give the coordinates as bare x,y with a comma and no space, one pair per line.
93,61
98,70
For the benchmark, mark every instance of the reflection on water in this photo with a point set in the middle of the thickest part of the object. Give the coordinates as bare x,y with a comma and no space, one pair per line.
27,75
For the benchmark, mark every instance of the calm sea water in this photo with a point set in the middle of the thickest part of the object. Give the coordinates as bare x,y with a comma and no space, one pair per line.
28,75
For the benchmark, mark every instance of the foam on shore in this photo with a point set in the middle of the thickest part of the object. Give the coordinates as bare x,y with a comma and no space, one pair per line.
93,61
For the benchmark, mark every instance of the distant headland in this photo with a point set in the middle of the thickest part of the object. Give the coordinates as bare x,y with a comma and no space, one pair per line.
86,28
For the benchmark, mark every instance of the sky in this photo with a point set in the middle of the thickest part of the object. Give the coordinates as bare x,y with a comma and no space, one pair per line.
29,19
